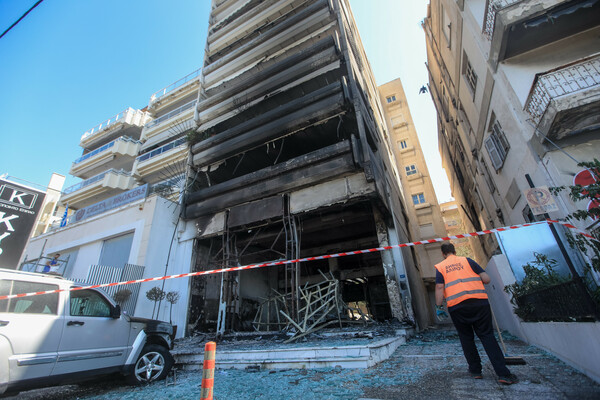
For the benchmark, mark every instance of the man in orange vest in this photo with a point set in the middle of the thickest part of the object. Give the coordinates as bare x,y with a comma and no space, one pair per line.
460,281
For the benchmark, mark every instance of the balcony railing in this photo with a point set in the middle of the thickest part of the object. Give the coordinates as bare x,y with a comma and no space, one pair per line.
491,8
175,85
111,121
564,80
172,114
92,180
105,147
161,150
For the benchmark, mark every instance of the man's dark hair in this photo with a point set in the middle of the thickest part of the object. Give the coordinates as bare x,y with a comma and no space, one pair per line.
448,248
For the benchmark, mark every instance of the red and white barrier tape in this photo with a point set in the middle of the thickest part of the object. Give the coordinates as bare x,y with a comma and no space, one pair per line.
284,262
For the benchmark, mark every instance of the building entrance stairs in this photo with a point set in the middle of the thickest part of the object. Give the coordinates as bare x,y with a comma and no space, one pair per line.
346,349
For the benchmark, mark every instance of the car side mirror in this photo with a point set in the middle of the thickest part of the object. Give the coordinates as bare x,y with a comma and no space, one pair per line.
115,312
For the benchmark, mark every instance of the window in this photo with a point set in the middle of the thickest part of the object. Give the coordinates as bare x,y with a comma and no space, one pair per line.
41,304
459,174
411,169
446,27
487,176
418,198
390,99
496,144
403,144
469,74
89,303
426,230
398,121
115,251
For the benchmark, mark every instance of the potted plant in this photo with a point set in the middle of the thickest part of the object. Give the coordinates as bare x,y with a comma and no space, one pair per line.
122,296
155,294
172,298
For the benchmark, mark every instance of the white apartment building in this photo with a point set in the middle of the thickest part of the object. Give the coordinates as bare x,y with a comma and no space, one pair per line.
124,215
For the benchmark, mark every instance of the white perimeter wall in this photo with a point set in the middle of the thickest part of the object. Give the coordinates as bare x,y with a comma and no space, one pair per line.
575,343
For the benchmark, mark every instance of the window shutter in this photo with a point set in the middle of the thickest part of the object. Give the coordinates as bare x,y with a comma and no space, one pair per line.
493,153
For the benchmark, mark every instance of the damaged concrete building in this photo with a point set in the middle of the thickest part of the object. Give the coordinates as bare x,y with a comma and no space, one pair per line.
292,158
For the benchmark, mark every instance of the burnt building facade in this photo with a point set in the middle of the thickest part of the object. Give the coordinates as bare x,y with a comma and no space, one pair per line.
291,158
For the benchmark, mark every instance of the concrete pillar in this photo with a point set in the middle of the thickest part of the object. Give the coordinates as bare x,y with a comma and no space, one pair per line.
333,266
389,268
400,269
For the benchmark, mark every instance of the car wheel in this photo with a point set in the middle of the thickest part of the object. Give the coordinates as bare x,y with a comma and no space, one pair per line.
154,363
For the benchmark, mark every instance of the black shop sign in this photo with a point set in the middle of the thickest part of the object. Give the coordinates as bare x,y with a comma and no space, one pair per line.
19,208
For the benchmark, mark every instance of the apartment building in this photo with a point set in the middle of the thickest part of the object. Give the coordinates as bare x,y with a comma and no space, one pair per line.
124,214
424,215
292,158
516,84
454,226
163,153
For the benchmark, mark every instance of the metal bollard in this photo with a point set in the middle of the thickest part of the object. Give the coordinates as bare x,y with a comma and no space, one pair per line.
208,371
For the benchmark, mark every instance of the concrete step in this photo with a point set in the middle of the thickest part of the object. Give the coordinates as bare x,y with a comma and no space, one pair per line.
311,356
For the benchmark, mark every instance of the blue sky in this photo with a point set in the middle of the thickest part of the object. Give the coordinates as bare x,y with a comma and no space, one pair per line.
70,65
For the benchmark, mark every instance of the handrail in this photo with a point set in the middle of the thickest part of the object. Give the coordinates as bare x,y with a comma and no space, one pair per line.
107,123
175,85
564,80
161,150
93,179
171,114
105,147
491,8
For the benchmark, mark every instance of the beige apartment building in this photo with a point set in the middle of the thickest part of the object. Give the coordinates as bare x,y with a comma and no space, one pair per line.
454,226
424,216
516,84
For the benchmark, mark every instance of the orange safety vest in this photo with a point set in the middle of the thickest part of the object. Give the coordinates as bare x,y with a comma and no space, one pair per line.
460,282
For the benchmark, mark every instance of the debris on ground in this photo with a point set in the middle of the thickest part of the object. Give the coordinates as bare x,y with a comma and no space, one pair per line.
430,365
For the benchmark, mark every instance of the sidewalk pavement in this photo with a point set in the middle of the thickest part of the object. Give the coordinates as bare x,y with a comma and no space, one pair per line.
429,366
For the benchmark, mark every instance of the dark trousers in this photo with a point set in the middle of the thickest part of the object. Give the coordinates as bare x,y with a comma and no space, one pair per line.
469,319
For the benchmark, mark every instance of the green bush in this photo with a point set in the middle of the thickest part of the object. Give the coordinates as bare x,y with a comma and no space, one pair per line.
539,275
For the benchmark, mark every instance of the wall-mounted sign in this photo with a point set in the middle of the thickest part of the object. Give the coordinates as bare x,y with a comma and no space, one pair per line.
19,207
540,200
113,202
584,178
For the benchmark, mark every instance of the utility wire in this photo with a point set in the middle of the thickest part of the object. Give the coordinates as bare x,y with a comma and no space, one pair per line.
19,20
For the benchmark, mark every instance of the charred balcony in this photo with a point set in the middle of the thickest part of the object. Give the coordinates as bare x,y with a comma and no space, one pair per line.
312,19
518,26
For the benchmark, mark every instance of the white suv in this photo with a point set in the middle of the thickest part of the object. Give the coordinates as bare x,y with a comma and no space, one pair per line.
66,337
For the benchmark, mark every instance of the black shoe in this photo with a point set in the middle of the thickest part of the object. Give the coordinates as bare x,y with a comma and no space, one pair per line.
476,375
508,380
